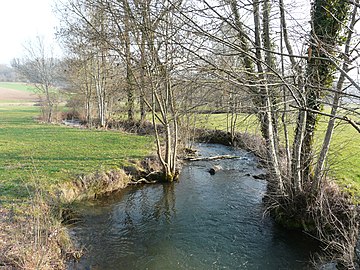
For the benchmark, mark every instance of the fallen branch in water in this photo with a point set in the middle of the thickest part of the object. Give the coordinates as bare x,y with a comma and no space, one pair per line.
142,181
212,158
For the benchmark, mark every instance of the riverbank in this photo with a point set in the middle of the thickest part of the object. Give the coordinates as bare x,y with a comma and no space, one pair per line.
44,167
332,216
203,221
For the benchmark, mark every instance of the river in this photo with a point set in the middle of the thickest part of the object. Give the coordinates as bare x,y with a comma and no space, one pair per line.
201,222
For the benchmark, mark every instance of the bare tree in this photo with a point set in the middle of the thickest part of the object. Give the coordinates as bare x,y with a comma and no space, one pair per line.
234,54
40,68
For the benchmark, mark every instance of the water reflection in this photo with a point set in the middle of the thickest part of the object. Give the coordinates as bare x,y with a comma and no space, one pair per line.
203,222
166,205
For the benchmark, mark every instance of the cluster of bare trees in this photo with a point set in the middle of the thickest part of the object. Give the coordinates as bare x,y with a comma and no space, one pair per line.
291,88
145,50
126,50
7,74
170,57
284,83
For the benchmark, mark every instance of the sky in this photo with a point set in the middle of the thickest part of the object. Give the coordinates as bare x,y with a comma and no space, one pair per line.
22,21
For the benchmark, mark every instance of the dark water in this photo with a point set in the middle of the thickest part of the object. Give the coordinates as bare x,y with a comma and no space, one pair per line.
202,222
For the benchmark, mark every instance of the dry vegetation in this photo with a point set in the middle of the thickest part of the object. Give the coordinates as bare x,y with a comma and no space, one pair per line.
32,238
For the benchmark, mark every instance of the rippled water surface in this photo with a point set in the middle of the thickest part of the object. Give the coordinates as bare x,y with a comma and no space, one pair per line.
202,222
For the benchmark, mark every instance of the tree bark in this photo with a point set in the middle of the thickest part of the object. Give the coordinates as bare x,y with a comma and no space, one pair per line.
336,102
327,22
129,75
266,114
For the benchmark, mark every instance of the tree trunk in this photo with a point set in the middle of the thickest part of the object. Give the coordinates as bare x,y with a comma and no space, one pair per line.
142,73
266,114
129,75
284,117
327,22
336,101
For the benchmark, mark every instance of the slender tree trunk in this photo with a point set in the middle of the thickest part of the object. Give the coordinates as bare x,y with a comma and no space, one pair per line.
286,36
294,160
88,95
327,22
296,164
49,103
142,74
270,61
129,79
100,86
285,109
266,115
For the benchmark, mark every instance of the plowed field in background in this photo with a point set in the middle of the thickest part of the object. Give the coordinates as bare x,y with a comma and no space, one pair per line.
7,94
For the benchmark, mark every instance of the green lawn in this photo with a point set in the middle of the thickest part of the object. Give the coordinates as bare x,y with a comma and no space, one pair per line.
344,156
54,153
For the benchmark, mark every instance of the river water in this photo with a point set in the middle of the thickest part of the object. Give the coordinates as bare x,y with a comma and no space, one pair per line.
201,222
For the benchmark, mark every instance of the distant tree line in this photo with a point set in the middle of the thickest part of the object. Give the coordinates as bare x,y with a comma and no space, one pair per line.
8,74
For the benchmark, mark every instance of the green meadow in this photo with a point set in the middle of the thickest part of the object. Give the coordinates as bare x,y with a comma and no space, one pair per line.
344,157
54,153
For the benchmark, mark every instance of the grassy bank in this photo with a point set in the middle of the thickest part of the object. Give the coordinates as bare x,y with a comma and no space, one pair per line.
54,153
36,159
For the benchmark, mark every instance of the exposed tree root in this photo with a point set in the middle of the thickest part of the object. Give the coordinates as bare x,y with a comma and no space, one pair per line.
151,178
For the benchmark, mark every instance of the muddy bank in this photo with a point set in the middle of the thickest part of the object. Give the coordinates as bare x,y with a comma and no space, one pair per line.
103,183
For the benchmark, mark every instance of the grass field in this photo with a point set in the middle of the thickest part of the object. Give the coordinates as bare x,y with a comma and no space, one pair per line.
18,86
344,157
54,153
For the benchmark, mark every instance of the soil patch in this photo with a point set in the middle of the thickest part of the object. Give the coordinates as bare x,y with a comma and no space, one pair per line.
12,94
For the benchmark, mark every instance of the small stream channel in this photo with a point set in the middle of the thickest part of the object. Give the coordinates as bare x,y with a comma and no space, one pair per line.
201,222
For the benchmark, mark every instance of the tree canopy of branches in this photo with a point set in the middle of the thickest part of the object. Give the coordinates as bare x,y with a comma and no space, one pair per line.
172,58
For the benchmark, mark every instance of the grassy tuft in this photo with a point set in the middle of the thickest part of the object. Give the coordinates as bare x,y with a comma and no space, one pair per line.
33,237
